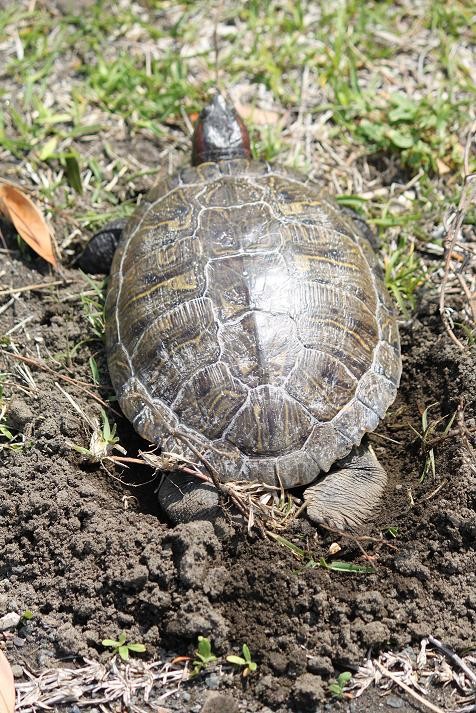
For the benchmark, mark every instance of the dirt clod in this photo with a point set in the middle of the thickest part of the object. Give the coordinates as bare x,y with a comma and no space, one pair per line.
218,703
308,692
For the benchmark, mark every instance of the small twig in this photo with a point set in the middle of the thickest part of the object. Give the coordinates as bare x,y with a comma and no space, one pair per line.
386,438
35,287
454,658
471,297
123,460
468,194
44,367
356,539
434,492
82,385
407,689
7,305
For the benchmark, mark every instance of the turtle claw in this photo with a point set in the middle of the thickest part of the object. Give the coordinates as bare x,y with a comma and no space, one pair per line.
345,498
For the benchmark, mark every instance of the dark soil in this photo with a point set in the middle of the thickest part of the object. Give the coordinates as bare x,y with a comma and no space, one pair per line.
90,556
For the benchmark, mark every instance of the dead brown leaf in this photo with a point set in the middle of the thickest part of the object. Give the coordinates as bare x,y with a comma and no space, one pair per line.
28,220
443,169
259,117
7,687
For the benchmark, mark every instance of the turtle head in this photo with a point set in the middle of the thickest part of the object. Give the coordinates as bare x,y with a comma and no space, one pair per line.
220,133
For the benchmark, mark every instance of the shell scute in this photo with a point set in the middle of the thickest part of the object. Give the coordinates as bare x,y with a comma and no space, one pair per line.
260,347
270,423
177,343
322,383
209,399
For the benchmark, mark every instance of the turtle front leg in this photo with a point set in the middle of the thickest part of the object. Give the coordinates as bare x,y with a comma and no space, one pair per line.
96,257
345,497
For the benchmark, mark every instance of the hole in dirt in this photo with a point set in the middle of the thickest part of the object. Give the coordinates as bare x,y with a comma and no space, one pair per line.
388,168
140,481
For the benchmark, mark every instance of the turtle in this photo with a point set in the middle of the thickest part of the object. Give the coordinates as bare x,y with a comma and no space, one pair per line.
248,325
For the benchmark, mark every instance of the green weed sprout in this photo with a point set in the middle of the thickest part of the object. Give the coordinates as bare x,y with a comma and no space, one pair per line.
27,615
203,655
246,662
336,688
103,441
123,647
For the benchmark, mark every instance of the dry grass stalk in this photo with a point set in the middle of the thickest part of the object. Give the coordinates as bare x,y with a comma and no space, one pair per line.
453,224
410,673
81,385
131,684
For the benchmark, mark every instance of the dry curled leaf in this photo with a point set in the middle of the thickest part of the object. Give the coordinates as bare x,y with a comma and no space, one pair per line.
260,117
28,221
7,687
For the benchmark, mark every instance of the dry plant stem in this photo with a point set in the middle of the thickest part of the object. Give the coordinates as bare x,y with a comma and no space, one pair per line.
35,287
468,195
83,386
98,684
471,297
434,492
356,539
465,433
123,460
222,488
454,658
407,689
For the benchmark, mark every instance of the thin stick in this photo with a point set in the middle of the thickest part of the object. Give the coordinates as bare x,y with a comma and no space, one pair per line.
34,288
355,539
221,488
123,460
7,305
454,658
471,297
408,690
467,196
82,385
434,492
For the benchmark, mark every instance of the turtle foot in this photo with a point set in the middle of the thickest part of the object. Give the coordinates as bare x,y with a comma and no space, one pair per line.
345,498
184,498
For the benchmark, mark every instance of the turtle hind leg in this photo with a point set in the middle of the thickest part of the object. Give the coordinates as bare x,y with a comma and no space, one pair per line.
96,257
346,496
183,498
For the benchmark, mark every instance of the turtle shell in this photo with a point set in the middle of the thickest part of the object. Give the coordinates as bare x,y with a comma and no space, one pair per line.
247,321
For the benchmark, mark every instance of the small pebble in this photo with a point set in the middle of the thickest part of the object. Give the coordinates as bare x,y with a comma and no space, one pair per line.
44,657
394,702
17,641
186,696
9,621
16,670
213,681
